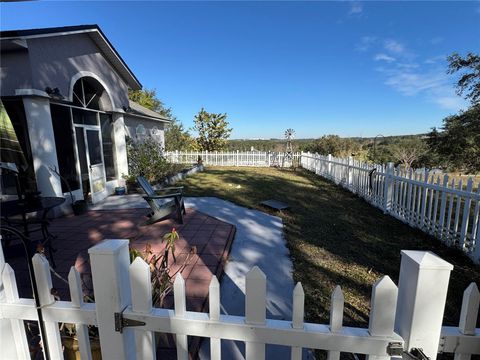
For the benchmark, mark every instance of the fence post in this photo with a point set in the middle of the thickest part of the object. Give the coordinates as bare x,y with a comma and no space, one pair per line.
349,172
388,188
110,264
422,293
329,165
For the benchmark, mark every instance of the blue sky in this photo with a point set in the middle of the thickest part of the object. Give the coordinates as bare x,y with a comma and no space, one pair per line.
346,68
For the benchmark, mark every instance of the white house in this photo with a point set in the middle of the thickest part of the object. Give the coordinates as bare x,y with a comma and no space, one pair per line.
66,92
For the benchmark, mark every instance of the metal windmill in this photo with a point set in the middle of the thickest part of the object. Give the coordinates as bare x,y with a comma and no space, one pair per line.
289,134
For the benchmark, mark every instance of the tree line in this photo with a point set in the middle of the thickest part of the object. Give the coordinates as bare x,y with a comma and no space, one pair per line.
455,146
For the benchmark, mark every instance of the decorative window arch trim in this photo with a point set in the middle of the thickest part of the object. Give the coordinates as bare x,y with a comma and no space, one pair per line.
83,74
140,130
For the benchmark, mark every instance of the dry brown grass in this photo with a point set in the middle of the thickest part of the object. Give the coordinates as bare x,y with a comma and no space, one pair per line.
334,237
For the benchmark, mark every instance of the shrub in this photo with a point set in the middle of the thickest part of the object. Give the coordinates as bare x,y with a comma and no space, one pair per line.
146,159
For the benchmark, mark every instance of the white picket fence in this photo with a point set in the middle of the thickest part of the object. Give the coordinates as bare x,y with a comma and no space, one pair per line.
439,206
402,318
234,158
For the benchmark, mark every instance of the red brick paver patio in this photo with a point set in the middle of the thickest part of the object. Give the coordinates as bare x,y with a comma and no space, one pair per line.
76,234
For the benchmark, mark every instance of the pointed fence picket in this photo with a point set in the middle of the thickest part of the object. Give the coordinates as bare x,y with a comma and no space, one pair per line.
214,307
76,294
44,286
297,317
180,302
123,292
11,296
445,210
336,317
255,309
140,283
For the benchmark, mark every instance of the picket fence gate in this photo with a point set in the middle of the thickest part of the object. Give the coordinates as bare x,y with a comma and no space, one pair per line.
406,317
437,205
234,158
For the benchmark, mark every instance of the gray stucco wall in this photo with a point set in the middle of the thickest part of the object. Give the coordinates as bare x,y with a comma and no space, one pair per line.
131,124
55,60
15,62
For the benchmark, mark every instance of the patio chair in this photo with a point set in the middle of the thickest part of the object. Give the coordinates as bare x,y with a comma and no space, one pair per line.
163,202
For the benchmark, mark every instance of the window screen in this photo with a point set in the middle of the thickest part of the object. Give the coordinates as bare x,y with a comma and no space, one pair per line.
107,142
65,144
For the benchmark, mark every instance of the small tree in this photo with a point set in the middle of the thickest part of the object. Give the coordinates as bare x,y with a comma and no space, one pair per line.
213,130
335,145
177,138
409,150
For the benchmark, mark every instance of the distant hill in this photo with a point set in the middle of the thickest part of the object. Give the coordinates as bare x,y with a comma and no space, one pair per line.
301,144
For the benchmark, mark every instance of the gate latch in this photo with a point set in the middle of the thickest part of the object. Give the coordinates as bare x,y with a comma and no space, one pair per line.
395,348
122,322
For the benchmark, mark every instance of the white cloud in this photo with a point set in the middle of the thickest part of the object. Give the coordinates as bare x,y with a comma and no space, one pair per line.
384,57
356,8
433,84
411,83
408,66
435,59
366,42
452,102
410,75
394,46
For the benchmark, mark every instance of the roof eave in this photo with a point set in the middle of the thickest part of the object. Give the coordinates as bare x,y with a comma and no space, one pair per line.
127,74
165,120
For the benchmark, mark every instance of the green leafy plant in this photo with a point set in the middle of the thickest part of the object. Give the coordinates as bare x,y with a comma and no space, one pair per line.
145,158
161,267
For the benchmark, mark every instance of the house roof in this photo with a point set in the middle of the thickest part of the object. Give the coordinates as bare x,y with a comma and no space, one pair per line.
95,33
138,110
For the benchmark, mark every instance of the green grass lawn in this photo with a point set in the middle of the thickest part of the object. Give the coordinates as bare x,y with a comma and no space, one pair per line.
334,237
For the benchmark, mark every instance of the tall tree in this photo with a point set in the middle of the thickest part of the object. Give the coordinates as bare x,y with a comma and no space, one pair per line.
469,83
458,144
148,98
213,130
176,137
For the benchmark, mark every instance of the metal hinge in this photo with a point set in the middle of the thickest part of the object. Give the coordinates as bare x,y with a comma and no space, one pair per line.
415,354
395,348
122,322
441,344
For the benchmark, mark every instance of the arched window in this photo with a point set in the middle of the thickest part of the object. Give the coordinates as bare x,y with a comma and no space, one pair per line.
155,131
140,130
89,93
